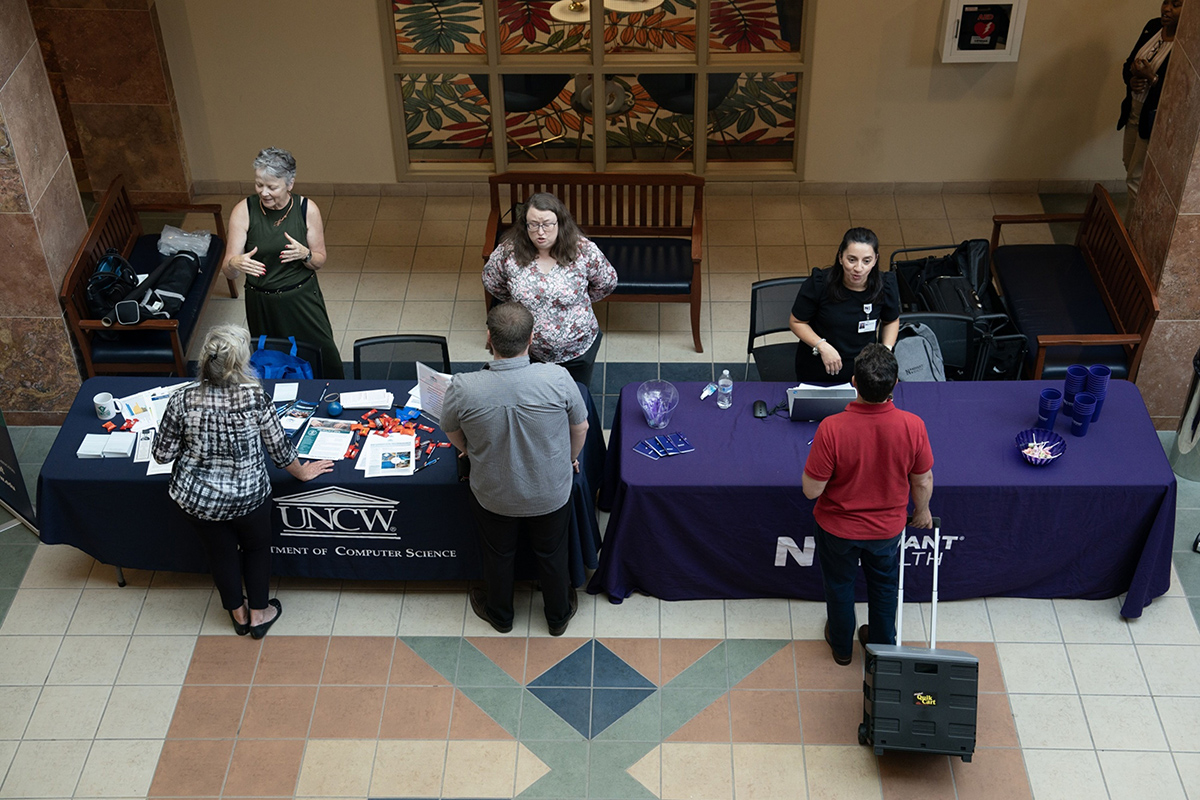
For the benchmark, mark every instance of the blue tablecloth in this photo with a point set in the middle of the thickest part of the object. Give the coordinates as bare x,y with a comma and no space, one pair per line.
730,520
340,525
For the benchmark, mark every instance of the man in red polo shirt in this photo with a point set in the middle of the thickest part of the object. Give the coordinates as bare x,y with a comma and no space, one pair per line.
862,466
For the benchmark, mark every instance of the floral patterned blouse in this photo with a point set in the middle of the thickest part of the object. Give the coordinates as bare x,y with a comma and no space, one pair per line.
564,325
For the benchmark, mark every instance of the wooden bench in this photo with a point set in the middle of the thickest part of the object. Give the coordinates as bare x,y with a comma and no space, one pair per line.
155,345
1090,303
650,226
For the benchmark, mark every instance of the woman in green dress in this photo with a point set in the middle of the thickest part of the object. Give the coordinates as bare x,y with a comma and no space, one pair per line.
278,240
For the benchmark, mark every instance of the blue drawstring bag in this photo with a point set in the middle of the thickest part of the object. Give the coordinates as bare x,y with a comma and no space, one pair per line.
277,365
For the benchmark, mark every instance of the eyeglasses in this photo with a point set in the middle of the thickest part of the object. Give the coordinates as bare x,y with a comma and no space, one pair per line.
540,226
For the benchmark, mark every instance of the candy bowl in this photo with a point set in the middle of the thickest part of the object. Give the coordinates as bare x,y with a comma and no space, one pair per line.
658,400
1039,446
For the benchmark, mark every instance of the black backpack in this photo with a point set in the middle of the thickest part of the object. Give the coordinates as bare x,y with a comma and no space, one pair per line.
161,295
111,282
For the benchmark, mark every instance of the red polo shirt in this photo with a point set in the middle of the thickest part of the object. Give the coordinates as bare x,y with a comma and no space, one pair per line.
866,454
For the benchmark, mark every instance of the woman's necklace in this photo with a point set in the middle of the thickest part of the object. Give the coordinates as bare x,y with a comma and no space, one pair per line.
286,211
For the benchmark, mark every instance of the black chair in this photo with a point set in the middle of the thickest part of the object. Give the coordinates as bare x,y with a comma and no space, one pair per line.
676,92
395,357
525,94
309,352
982,348
770,312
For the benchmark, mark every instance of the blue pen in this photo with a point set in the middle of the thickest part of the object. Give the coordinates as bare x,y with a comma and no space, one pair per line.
426,464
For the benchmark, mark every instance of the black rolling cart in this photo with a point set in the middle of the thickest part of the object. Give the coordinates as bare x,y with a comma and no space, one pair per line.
916,699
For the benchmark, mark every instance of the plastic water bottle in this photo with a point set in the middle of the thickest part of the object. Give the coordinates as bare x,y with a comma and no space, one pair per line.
725,390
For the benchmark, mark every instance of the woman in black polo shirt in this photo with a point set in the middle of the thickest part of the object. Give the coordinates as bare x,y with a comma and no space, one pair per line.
841,309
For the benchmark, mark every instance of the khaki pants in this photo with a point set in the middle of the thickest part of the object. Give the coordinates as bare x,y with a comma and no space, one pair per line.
1134,153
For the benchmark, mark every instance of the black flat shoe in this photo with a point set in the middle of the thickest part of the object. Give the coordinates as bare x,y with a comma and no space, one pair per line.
259,631
240,628
478,599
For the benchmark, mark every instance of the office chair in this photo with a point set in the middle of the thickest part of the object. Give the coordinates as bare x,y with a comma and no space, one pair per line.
676,92
770,312
309,352
525,94
395,357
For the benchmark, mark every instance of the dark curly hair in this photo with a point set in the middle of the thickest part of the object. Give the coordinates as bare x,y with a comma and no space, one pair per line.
875,372
565,248
833,284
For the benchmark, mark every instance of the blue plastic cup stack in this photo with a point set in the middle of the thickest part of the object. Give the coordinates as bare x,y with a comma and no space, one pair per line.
1075,383
1081,413
1097,384
1048,405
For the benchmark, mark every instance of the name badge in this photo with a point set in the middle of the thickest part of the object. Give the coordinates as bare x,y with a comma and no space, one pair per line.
867,325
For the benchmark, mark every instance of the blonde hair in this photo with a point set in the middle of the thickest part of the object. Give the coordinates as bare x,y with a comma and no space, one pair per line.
225,357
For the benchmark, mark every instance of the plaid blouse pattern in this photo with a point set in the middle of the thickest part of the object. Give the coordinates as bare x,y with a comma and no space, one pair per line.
213,435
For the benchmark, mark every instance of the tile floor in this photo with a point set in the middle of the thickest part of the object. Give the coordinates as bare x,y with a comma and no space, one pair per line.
369,690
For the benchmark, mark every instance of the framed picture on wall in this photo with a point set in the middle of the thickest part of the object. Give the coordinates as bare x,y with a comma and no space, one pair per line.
981,32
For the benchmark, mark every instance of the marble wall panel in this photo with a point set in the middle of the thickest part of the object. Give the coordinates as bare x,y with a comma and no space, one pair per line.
1173,141
38,376
1152,221
1179,287
61,223
25,290
138,140
16,36
125,69
1187,38
32,120
1166,371
12,186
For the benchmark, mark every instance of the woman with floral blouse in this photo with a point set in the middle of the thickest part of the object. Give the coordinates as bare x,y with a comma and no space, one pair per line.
547,265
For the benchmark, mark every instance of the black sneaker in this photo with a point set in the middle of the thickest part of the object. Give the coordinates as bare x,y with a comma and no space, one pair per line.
479,606
561,628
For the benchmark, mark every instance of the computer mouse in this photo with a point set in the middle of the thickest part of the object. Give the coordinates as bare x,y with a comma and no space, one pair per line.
760,409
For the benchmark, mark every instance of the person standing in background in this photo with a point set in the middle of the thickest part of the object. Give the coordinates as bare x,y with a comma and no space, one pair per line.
1144,72
278,240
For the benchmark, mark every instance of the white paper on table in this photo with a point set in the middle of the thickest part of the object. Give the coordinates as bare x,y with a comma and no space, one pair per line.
155,468
145,443
433,386
325,438
389,457
373,398
137,406
285,392
814,387
414,399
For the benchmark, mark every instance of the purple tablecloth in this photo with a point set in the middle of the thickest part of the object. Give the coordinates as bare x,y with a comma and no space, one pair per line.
729,520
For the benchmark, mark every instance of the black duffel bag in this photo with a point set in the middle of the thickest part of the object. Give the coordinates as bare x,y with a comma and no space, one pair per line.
161,295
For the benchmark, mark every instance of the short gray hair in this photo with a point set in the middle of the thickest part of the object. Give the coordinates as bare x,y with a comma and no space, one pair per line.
277,162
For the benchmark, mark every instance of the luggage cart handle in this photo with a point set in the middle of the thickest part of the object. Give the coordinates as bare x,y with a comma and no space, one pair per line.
937,527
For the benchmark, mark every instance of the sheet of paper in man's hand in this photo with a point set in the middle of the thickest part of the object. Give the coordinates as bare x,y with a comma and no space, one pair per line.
433,386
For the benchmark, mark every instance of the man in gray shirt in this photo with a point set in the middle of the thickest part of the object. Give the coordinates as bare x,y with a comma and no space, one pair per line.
523,426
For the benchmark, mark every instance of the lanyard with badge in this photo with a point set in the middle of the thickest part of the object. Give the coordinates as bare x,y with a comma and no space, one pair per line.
868,325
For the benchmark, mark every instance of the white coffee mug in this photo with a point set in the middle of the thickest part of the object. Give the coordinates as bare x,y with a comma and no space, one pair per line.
106,406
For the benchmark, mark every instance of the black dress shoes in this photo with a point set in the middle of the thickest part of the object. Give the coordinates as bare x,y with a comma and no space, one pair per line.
479,606
863,636
561,628
259,631
240,628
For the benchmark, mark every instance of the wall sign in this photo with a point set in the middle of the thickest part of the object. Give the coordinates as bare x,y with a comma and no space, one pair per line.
982,31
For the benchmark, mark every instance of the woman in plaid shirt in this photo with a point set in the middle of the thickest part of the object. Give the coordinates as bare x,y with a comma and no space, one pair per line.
214,431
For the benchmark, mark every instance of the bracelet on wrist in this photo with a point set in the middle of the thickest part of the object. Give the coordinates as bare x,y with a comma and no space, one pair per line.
817,347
